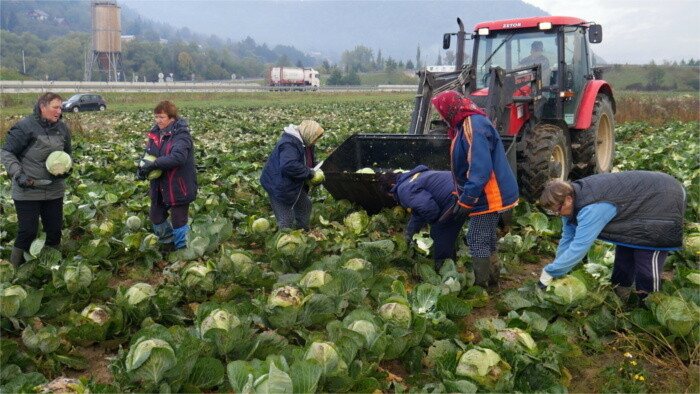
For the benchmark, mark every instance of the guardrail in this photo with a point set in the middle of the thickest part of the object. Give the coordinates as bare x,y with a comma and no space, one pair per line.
158,87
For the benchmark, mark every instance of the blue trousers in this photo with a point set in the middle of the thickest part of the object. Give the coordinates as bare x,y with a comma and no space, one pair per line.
642,267
444,235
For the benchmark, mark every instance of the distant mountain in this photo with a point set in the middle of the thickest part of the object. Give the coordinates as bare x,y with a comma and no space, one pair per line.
328,28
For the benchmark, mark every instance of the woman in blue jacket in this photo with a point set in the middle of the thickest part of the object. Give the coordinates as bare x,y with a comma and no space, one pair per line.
171,143
428,194
641,212
484,182
285,174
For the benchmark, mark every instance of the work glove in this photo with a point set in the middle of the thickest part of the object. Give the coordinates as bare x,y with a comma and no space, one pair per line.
64,175
457,212
145,167
23,181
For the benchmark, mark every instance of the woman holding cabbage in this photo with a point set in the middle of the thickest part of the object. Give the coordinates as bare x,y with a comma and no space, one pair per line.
36,155
169,164
289,172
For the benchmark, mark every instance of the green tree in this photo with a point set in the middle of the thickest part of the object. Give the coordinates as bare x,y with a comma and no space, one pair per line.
358,60
336,77
283,61
655,76
352,79
185,64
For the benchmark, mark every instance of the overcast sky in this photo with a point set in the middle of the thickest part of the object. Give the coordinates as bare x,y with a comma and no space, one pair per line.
636,31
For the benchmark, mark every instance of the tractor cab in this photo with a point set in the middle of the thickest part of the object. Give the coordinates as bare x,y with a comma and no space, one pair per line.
559,45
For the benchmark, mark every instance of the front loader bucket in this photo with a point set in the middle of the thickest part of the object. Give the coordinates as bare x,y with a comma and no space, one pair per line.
381,152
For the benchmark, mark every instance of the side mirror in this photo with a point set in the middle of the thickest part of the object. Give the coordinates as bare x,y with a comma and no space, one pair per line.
595,34
446,41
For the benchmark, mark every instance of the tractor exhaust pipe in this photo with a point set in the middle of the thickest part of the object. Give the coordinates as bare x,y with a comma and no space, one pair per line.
461,37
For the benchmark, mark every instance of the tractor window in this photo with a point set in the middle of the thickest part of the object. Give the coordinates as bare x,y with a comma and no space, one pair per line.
511,50
576,57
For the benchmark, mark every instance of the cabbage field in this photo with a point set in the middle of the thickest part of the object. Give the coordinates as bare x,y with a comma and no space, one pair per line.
347,306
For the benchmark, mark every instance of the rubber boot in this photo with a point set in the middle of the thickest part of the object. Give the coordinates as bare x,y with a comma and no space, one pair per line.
180,236
482,270
164,231
17,257
495,269
623,292
438,265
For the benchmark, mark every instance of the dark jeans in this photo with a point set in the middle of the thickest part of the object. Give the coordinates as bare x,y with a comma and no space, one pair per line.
642,267
28,214
159,212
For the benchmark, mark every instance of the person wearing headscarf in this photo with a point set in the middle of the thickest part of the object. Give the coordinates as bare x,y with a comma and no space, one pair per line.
286,172
36,192
484,182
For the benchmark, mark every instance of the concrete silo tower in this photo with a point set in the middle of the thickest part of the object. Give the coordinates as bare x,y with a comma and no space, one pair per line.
106,48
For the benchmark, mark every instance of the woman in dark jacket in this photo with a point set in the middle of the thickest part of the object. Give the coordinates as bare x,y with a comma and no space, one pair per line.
428,194
483,178
171,143
287,169
35,191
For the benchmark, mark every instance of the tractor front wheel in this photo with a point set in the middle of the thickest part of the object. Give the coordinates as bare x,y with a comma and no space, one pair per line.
593,149
545,156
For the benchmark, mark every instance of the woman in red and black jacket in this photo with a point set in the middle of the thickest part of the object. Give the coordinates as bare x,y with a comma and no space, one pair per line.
484,182
171,143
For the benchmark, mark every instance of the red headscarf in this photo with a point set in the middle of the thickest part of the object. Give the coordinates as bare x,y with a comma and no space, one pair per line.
454,108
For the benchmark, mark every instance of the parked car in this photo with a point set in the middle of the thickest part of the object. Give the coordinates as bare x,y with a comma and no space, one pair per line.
85,102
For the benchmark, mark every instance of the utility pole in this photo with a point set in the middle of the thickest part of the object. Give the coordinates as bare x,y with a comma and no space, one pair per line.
24,64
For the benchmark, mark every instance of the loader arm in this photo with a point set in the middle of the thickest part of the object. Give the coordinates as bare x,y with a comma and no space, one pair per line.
430,85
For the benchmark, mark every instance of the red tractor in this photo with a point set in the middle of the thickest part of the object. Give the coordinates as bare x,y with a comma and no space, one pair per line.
536,80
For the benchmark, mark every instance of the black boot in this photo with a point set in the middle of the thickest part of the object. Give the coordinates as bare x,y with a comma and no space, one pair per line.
482,270
438,265
495,269
17,257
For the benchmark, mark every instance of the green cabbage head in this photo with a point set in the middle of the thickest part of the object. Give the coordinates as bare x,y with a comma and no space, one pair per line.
154,173
287,244
327,355
58,162
358,264
139,292
220,319
356,222
11,299
516,335
285,296
368,330
133,223
260,225
97,313
568,289
315,278
397,314
484,366
149,359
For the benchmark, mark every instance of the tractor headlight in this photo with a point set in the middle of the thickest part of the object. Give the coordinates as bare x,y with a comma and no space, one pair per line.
545,25
483,31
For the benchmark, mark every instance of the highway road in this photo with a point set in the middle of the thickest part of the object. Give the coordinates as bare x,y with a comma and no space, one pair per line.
86,87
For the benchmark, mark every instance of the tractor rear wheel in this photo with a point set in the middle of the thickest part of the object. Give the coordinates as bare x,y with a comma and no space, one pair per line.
546,156
593,149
